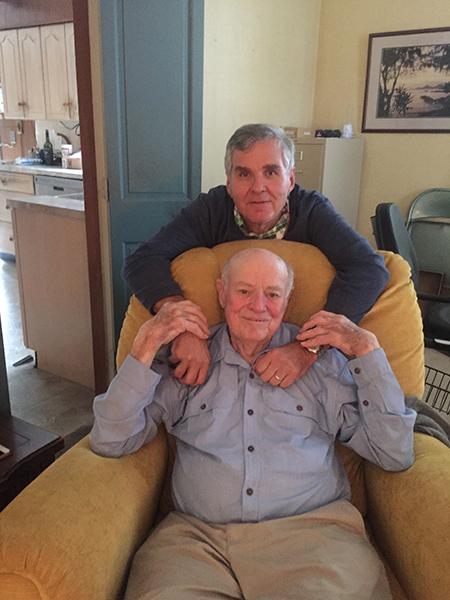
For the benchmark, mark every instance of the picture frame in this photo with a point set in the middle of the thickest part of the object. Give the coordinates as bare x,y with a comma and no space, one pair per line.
408,82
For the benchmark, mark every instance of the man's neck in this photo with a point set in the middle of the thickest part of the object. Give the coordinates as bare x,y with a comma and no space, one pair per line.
249,350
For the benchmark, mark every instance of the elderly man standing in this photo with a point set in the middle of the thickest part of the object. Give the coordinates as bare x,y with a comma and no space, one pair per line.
261,497
260,200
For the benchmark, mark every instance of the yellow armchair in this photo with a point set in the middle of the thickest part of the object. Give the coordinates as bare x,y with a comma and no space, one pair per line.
72,533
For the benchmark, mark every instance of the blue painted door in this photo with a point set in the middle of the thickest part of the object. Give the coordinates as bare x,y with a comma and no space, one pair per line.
153,83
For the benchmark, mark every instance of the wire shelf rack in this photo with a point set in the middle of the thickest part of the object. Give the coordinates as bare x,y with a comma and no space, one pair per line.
437,389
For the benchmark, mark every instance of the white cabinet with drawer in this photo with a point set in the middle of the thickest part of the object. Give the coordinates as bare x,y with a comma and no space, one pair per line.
12,185
332,166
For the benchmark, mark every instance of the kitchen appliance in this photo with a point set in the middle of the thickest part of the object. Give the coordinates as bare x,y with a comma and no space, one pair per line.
46,185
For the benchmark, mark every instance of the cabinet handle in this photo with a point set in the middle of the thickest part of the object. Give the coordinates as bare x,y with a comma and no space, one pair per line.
11,239
22,104
4,181
69,104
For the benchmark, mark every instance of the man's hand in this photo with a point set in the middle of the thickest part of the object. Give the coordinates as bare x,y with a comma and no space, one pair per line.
336,330
284,365
191,356
172,320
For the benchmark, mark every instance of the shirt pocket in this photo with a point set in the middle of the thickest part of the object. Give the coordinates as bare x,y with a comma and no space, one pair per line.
204,412
292,415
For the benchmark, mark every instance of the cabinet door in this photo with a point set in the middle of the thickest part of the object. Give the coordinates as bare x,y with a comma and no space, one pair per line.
309,165
10,73
32,75
55,71
71,71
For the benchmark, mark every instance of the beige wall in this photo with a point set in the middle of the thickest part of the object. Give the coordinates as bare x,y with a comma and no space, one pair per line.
259,66
396,167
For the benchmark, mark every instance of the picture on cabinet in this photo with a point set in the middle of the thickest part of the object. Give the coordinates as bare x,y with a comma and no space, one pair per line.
408,82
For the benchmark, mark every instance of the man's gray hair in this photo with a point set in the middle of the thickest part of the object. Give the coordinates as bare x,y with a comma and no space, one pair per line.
247,135
229,263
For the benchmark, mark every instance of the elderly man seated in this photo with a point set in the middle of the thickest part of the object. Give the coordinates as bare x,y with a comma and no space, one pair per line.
261,497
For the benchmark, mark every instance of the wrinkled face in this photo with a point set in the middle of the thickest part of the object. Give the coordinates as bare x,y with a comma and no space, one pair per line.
254,299
259,184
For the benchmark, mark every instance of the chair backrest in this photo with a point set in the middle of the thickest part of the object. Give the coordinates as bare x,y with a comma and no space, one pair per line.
391,234
428,224
433,203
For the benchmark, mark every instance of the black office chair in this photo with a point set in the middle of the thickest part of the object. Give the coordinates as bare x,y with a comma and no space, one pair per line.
391,234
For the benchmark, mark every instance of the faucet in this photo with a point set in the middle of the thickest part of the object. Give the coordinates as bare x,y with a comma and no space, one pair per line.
65,138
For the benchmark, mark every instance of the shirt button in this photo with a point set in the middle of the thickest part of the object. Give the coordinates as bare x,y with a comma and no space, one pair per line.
249,491
250,448
203,406
250,412
366,403
252,375
299,407
357,370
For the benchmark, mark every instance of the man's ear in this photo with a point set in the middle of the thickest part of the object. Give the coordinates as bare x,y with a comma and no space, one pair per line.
221,292
292,179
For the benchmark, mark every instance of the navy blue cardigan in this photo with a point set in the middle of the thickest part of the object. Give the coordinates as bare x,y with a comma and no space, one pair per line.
209,220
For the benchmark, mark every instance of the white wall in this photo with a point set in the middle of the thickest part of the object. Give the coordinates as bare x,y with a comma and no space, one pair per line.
259,66
397,166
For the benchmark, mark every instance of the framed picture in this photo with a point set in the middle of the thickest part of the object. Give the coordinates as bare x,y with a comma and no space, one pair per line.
408,82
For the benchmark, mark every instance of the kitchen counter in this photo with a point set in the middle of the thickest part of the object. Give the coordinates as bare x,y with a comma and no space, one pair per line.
65,206
42,169
52,272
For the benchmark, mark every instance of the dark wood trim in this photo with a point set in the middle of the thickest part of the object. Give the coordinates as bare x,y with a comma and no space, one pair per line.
86,111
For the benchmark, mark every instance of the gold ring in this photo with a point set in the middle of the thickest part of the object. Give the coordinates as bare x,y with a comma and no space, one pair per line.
279,378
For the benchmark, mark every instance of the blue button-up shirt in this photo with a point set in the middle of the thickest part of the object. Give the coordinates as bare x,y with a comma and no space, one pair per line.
249,451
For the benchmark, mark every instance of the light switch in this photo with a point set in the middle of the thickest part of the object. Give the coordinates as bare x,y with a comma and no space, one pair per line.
12,137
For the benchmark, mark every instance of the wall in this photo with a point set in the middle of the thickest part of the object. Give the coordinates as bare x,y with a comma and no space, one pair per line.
24,140
396,167
259,66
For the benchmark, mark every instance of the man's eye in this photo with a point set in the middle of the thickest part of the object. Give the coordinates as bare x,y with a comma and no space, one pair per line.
273,295
243,291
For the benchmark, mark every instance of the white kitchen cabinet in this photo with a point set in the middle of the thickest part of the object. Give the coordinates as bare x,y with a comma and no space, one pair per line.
12,185
38,74
21,73
332,166
57,47
71,70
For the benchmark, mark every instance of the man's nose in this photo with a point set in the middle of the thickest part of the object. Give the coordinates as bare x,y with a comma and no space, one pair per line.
258,183
258,303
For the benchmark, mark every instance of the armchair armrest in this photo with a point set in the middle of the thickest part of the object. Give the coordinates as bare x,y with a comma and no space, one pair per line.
72,532
410,518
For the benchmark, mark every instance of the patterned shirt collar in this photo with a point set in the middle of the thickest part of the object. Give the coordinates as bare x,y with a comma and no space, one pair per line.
278,230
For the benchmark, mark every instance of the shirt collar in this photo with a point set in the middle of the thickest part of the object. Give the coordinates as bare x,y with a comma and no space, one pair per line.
278,230
220,347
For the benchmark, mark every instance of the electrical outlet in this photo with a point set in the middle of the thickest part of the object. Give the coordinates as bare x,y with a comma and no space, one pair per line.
12,137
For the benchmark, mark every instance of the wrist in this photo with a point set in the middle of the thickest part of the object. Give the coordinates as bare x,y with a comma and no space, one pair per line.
169,299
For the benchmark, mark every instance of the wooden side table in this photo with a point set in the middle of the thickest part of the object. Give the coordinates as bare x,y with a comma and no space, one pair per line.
32,450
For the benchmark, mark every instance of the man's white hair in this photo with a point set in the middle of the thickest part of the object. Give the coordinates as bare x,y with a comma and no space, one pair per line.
228,265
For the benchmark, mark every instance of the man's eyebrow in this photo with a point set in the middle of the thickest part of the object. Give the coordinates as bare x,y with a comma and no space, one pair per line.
250,285
274,166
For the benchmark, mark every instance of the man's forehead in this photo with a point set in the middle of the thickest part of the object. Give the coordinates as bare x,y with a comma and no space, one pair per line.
268,149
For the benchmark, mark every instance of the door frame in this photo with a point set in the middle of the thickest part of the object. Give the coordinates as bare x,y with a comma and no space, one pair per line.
91,193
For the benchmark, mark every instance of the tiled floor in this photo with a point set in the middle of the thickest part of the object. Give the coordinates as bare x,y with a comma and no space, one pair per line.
40,398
